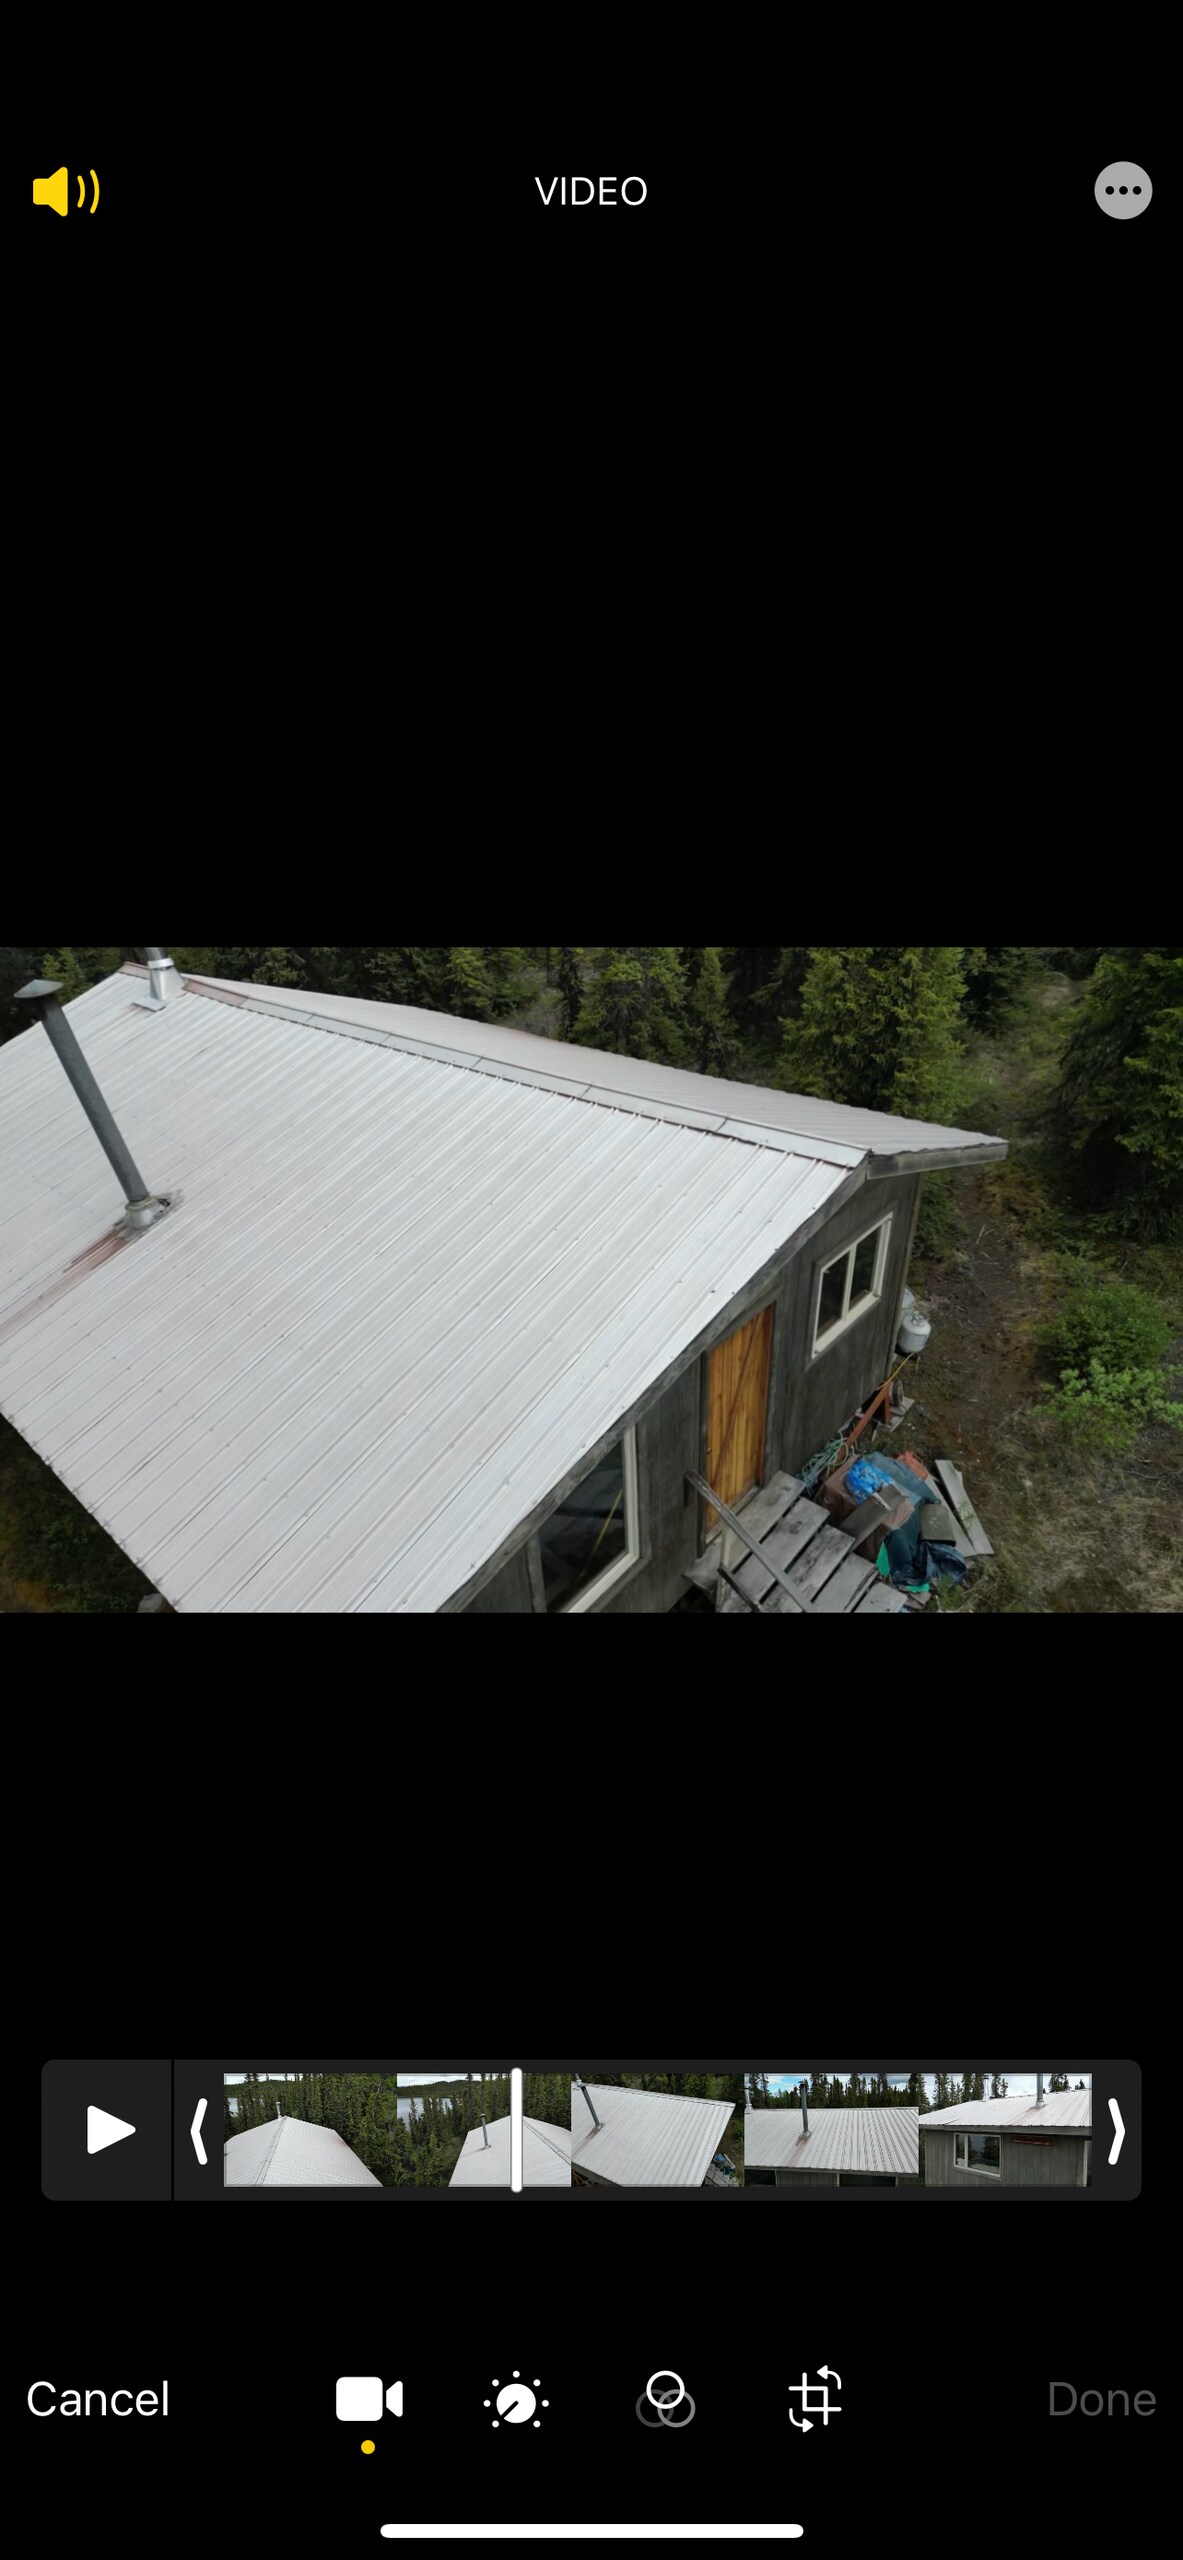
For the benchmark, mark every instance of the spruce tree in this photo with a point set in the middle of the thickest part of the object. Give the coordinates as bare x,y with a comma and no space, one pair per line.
1122,1097
879,1028
568,976
637,1006
708,1029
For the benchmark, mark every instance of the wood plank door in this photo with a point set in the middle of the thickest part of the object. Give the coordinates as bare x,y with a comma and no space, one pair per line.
737,1412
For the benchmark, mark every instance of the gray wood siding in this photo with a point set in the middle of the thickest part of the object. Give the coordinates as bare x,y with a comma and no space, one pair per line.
1055,2163
819,1393
508,1595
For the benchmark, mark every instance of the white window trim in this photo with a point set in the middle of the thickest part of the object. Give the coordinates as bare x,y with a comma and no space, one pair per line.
622,1565
975,2168
874,1298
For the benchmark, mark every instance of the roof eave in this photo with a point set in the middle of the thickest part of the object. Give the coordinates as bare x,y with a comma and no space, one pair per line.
937,1159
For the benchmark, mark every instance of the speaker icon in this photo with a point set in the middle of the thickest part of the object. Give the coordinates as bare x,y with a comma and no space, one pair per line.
55,192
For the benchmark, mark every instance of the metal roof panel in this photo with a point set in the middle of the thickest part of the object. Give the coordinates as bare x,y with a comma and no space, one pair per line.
646,2137
397,1305
1068,2111
287,2153
546,2156
863,2141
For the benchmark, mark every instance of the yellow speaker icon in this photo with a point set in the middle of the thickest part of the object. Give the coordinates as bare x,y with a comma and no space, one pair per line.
55,191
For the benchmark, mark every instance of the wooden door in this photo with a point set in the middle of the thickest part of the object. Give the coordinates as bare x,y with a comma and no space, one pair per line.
737,1398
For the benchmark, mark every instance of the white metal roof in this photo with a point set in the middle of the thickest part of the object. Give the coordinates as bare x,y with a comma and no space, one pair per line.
646,2138
871,2141
407,1287
396,1306
546,2156
286,2153
1070,2110
835,1131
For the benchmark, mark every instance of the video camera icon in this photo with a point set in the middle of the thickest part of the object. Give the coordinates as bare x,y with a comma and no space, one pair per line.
361,2398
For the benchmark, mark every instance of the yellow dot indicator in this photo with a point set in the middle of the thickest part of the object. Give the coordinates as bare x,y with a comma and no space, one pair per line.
369,2446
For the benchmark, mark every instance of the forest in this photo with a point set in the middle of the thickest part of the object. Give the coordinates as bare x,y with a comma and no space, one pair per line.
419,2149
1054,1281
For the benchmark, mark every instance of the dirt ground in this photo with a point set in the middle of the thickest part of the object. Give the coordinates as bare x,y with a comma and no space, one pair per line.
1072,1534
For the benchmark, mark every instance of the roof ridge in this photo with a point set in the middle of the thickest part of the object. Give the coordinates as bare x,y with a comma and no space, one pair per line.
638,1106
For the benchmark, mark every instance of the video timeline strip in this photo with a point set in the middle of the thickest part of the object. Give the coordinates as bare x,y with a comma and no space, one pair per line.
215,2131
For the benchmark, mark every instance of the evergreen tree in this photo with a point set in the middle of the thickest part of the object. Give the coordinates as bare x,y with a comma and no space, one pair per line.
709,1031
568,976
996,979
637,1006
1122,1098
944,2096
916,2092
998,2086
879,1027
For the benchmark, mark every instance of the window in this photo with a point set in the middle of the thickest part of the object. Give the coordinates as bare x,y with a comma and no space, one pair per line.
592,1540
979,2151
851,1285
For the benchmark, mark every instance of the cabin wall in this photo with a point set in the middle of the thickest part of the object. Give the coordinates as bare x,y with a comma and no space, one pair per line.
818,1394
508,1595
1057,2162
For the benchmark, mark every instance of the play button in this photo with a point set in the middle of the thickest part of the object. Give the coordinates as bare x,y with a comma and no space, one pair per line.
114,2100
102,2130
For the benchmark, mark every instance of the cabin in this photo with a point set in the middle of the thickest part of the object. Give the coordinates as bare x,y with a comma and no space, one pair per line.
831,2146
485,2155
646,2138
403,1314
1045,2141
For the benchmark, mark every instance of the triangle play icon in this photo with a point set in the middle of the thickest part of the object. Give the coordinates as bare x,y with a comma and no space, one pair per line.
102,2130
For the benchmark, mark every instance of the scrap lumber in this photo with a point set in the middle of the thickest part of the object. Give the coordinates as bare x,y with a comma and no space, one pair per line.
954,1484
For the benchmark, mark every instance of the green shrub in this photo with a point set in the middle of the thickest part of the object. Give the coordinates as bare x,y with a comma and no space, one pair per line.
1117,1326
1106,1347
1105,1409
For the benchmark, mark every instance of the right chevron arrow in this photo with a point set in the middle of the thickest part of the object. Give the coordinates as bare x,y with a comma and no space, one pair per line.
1118,2133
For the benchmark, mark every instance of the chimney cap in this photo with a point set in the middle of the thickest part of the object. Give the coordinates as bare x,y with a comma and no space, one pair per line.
38,991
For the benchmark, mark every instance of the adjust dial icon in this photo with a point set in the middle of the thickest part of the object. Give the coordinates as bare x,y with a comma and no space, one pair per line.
517,2403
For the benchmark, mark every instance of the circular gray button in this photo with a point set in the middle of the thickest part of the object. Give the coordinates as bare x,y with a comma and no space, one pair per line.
1123,189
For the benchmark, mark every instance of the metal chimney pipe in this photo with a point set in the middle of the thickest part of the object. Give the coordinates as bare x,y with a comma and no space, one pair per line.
485,2131
804,2113
41,996
163,975
582,2084
1039,2088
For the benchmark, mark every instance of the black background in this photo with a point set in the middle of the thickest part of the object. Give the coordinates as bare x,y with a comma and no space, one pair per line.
1008,1912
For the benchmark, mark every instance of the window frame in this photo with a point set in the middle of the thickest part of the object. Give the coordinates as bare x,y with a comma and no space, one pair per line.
852,1315
623,1565
976,2168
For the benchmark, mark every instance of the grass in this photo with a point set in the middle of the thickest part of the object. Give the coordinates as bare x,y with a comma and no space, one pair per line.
1074,1534
53,1556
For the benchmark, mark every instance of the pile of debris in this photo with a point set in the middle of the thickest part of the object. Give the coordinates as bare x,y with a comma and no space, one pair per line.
916,1531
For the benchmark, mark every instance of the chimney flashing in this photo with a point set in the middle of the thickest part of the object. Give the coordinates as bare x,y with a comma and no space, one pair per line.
164,978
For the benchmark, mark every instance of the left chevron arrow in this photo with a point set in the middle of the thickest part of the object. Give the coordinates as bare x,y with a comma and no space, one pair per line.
195,2130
